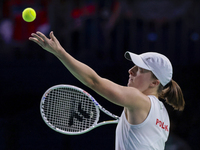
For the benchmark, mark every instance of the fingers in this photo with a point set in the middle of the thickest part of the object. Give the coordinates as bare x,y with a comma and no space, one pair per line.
35,36
36,41
42,40
52,36
41,36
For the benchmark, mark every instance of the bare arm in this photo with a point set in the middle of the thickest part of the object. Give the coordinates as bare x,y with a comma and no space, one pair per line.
120,95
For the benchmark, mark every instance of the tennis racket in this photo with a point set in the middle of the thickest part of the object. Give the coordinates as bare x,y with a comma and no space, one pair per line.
70,110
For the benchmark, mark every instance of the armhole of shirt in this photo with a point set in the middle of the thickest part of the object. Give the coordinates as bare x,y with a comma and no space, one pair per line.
145,121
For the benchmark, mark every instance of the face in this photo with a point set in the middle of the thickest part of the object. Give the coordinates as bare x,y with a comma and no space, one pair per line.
139,78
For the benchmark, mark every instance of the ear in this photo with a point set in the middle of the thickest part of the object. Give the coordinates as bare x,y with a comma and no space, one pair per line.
154,83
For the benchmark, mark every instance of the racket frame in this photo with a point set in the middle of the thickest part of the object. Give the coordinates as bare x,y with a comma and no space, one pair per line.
96,104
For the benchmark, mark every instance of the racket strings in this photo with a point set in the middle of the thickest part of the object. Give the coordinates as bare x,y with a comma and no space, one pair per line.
69,110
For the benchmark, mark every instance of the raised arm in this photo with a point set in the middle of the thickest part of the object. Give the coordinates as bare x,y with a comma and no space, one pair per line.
120,95
81,71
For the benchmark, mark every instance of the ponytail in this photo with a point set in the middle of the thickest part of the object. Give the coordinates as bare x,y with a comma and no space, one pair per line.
173,95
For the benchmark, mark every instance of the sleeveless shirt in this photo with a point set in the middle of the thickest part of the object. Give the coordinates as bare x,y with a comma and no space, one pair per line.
151,134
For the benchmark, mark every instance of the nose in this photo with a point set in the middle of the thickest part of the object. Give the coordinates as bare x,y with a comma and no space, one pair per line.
131,71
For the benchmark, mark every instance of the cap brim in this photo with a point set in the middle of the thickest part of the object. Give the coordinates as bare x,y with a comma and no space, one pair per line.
136,59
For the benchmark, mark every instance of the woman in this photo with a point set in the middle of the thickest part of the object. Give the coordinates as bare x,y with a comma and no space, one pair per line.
144,123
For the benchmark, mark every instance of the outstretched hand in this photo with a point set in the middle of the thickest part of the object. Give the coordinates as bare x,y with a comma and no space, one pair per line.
52,45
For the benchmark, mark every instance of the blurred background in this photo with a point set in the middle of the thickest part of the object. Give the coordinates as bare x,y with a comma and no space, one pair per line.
96,32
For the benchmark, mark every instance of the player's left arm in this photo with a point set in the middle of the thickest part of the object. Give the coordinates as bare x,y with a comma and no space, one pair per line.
121,95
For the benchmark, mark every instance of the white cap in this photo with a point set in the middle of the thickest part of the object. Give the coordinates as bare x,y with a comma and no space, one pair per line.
159,64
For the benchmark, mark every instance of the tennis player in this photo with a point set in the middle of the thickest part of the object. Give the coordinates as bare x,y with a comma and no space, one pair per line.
144,122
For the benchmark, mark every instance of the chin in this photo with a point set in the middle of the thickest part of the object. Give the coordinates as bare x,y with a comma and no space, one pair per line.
130,85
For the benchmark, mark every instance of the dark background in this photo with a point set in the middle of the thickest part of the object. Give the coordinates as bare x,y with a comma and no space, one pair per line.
96,32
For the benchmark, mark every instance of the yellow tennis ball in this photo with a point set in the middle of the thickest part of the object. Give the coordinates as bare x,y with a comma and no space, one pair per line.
29,14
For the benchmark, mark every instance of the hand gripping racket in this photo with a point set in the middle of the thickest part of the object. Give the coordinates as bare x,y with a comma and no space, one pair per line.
70,110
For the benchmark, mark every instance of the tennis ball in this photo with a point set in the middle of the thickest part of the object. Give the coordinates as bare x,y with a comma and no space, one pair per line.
29,14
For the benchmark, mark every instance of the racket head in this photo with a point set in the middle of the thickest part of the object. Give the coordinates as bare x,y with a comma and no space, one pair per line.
69,110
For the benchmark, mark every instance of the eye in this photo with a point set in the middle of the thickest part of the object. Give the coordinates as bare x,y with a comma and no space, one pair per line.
136,68
141,70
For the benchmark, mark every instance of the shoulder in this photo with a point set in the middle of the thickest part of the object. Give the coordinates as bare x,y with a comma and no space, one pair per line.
137,111
137,99
128,97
